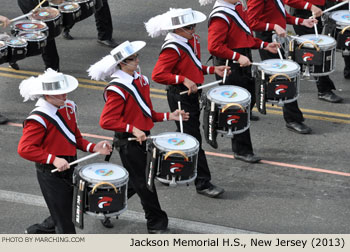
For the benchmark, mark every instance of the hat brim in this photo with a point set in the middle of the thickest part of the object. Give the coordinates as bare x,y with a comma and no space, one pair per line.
199,17
136,45
72,85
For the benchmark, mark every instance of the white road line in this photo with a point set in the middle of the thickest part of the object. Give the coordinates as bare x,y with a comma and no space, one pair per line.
185,225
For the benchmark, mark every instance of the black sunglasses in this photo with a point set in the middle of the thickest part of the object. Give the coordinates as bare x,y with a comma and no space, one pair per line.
190,27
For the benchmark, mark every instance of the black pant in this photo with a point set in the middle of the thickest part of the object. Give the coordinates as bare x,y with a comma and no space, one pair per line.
50,54
324,83
103,21
133,156
291,111
190,103
57,189
242,77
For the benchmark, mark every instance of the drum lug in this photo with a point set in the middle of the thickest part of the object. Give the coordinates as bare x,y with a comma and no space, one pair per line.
346,52
172,182
230,134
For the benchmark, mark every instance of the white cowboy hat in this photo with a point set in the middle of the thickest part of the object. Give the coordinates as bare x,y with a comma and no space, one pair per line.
49,83
106,66
173,19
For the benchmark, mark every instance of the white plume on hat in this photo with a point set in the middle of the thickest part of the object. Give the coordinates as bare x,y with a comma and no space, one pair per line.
25,87
103,68
205,2
154,25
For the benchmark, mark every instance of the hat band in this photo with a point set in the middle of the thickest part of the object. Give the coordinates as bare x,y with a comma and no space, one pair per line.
49,86
184,19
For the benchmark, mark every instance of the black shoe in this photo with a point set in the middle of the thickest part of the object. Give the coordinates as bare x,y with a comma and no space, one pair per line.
254,117
347,73
14,65
110,43
329,96
249,158
3,119
106,222
212,191
159,231
46,227
298,127
67,36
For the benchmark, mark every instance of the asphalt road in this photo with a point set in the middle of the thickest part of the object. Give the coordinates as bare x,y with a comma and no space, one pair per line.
301,186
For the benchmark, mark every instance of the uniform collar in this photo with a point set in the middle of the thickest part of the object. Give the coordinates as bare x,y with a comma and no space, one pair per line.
43,103
220,3
123,75
174,36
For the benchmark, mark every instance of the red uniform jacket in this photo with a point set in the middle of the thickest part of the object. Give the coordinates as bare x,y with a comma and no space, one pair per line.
49,132
121,112
264,14
174,63
224,35
302,4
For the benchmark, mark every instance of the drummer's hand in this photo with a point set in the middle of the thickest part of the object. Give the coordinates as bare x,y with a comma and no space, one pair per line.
103,147
220,70
176,115
309,22
4,21
139,134
244,61
316,12
280,31
272,47
61,164
192,87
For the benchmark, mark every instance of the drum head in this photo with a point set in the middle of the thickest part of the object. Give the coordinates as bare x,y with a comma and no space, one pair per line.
98,172
30,26
322,41
274,66
177,141
56,2
16,42
229,94
341,17
32,36
46,13
68,7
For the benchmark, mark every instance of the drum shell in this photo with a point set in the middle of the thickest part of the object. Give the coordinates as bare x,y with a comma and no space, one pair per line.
119,200
54,24
3,52
244,117
294,75
16,52
35,46
87,8
69,17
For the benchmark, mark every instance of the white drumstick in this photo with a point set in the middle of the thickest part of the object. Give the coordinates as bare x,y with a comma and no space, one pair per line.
225,72
152,137
180,117
21,17
256,63
279,51
316,31
334,7
204,86
82,159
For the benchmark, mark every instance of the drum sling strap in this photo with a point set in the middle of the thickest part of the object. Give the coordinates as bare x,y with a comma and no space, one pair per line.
78,200
152,164
209,119
260,92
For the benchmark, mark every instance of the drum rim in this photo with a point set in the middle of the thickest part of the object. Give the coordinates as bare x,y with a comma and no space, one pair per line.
45,28
49,19
323,47
82,1
189,152
290,73
117,182
340,22
44,37
53,4
16,46
69,11
245,102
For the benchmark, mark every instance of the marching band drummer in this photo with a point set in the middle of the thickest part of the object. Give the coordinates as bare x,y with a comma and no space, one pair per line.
4,21
229,37
265,16
180,68
305,9
128,112
51,138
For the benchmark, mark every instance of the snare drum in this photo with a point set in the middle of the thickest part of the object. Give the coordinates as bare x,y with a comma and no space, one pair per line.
87,8
102,189
277,82
341,29
29,26
17,49
176,158
52,18
232,109
3,52
36,42
70,13
316,55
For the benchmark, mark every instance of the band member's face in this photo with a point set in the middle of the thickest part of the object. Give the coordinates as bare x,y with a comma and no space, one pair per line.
56,100
187,31
131,62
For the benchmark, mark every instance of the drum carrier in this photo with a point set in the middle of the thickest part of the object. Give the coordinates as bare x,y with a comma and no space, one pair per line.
338,26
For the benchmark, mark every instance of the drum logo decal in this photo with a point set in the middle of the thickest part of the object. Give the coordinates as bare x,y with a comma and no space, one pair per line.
280,89
104,172
346,17
44,14
69,7
176,141
104,201
279,65
229,94
176,167
232,119
29,26
308,56
347,41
